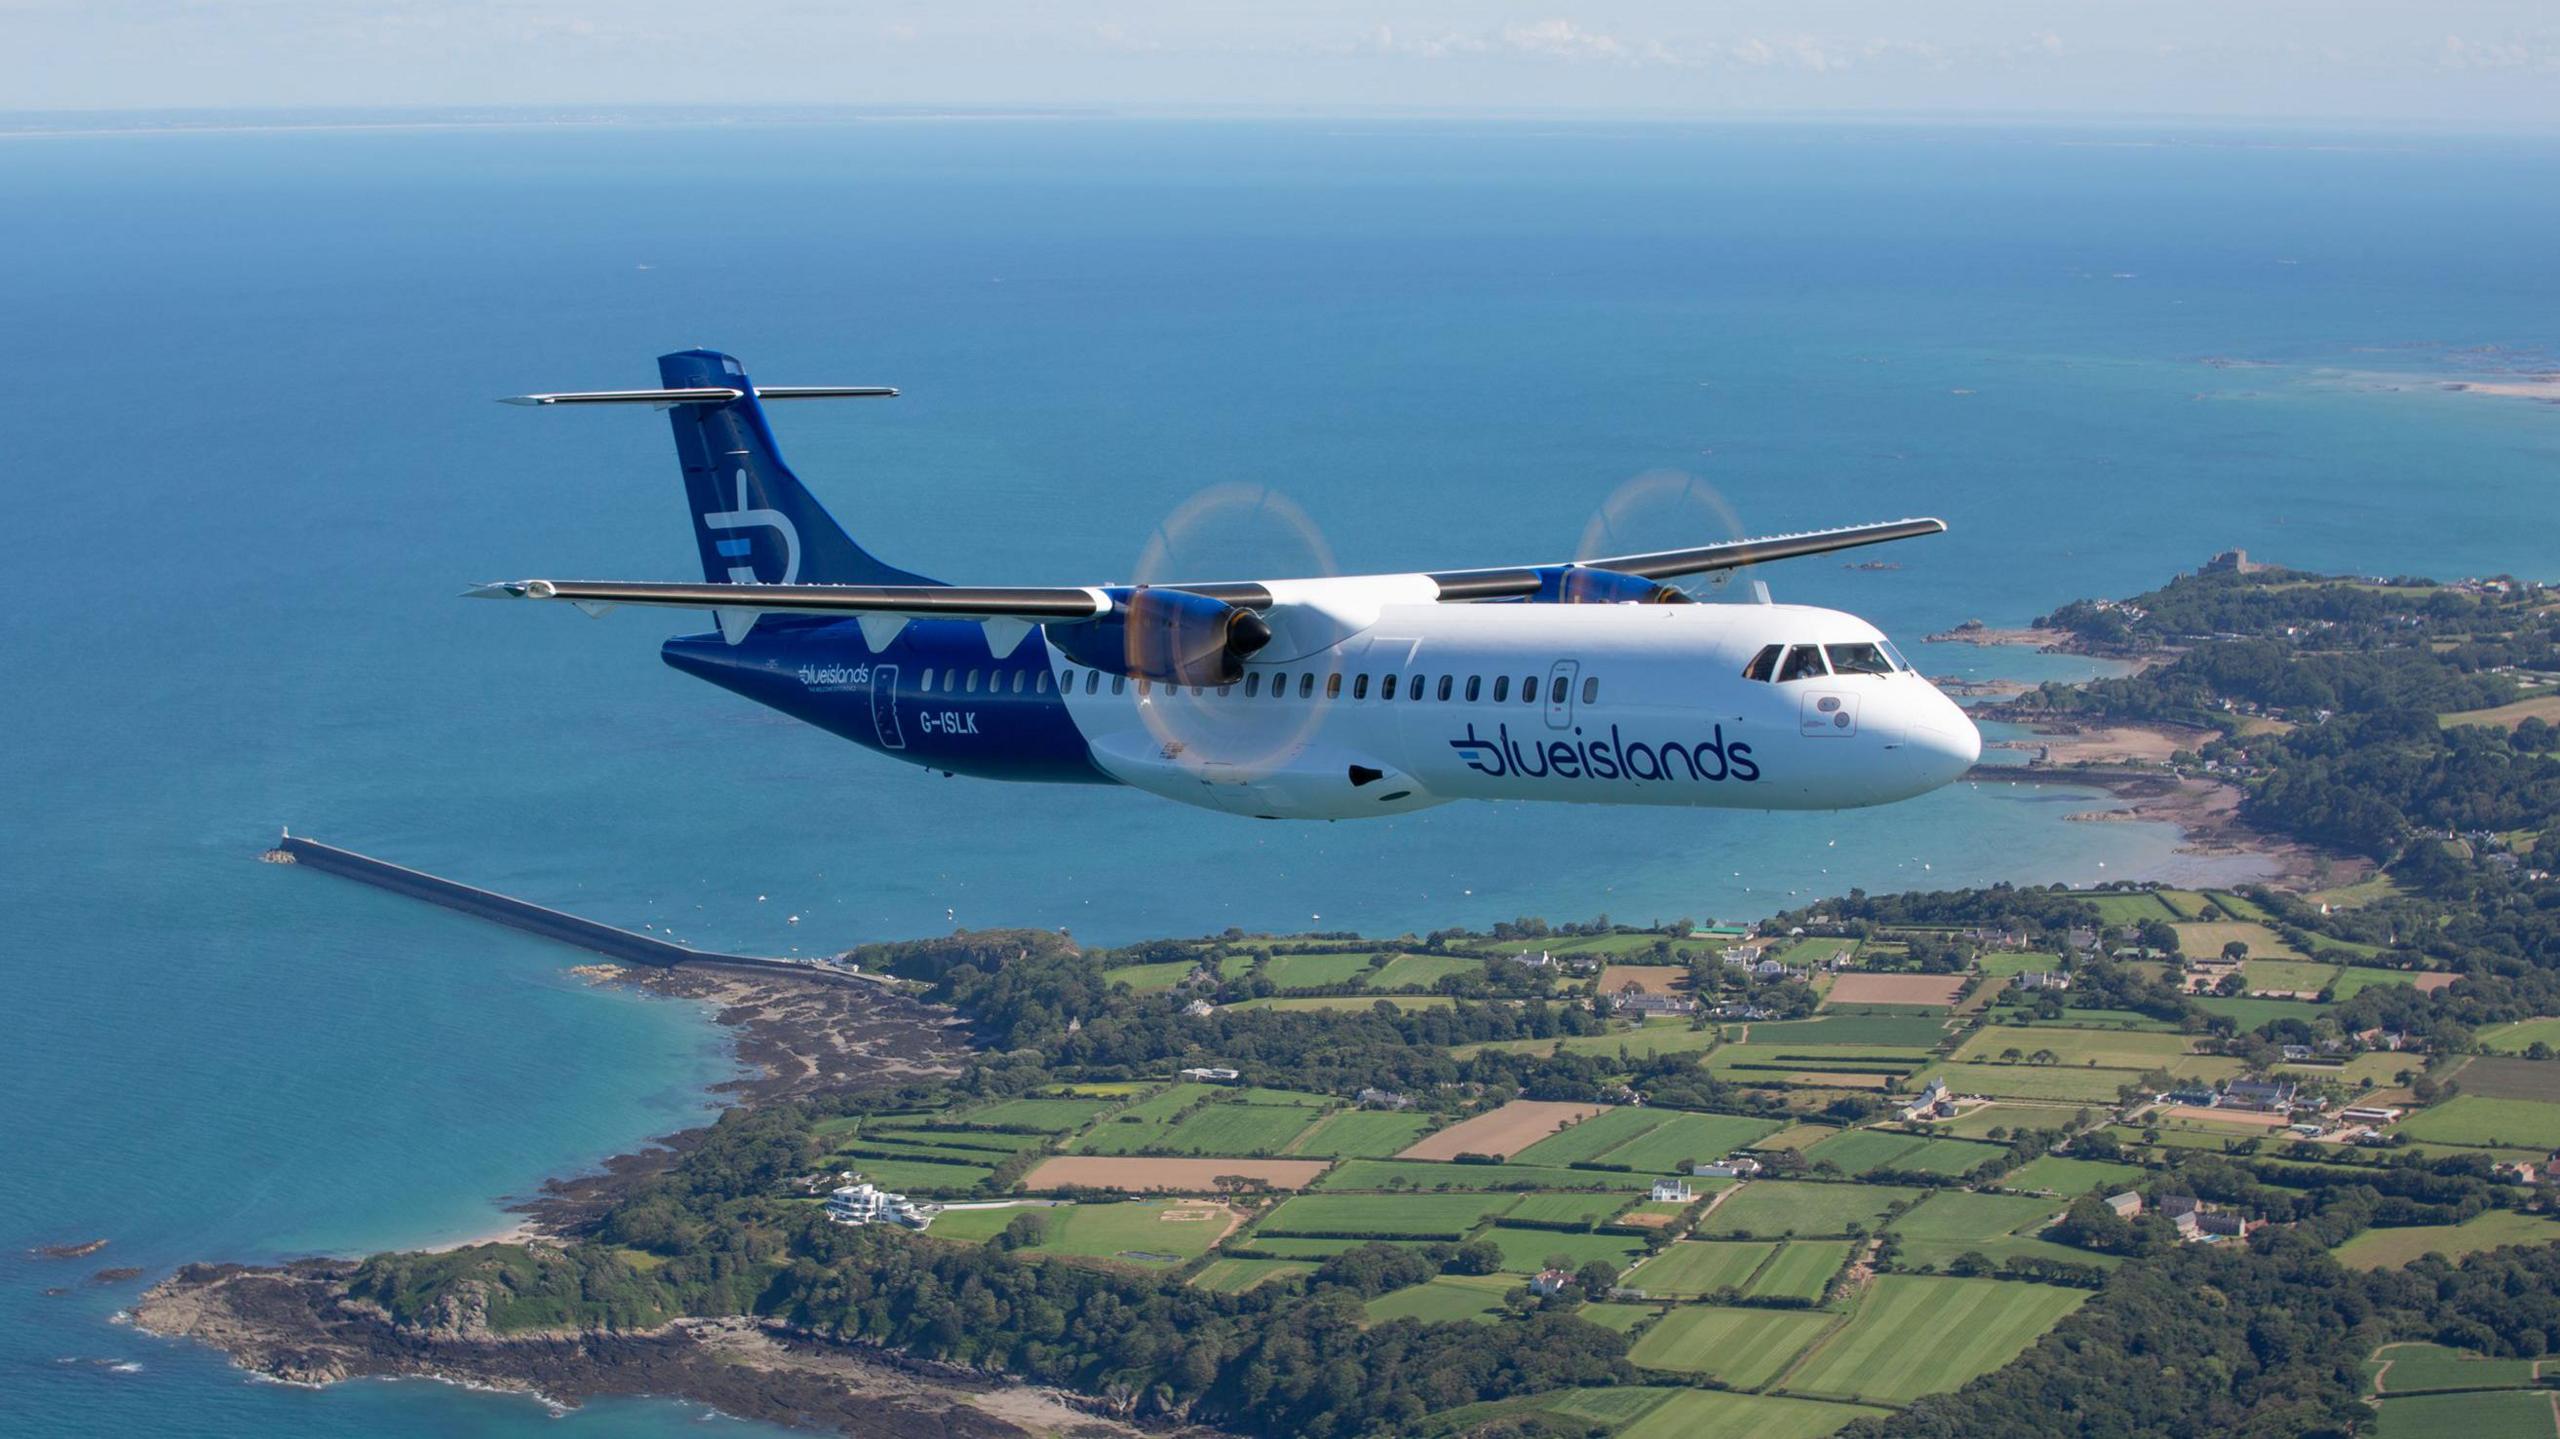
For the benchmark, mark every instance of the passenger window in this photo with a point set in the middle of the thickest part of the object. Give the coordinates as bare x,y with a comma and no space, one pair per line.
1555,690
925,684
1018,677
1119,684
1475,683
1529,690
1501,688
1252,683
1445,681
1387,687
1222,690
1764,665
1144,689
1804,662
1858,660
1307,685
1093,681
1413,691
1195,692
1333,686
1591,689
973,682
1360,687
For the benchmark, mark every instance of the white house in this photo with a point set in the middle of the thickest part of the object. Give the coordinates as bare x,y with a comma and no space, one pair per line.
1740,1166
1549,1281
1215,1073
862,1202
1672,1191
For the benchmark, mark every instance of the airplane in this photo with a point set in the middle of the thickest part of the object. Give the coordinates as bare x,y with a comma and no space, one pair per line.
1329,697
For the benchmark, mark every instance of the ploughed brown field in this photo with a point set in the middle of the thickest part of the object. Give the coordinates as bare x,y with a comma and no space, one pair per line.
1895,989
1651,978
1502,1133
1170,1176
2429,983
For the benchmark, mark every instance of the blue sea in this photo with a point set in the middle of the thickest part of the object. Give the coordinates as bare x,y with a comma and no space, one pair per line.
256,461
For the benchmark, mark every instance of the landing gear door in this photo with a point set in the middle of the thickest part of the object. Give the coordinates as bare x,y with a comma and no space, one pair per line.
884,706
1560,684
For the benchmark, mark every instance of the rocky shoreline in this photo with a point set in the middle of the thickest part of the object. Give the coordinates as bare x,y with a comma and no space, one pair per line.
298,1324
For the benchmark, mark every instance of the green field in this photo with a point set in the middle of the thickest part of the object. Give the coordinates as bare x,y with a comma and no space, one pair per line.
1317,969
2507,1078
1424,1175
2134,908
1706,1414
2514,1038
2077,1048
2422,1368
1742,1347
1594,1136
1132,1232
918,1176
1900,1031
1042,1116
1240,1130
1235,1276
1802,1270
1427,1216
1808,953
2207,937
1914,1336
2004,964
2033,1081
1446,1299
2072,1177
1670,1148
1694,1267
2479,1119
2251,1013
1951,1223
1526,1251
1421,971
1582,1210
2297,976
1287,1247
1348,1001
2385,1248
976,1226
1774,1063
1770,1207
2515,1414
1146,978
1866,1151
1617,1318
1657,1036
2354,979
1363,1133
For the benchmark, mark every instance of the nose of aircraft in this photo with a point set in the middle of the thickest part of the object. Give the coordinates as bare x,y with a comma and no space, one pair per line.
1941,740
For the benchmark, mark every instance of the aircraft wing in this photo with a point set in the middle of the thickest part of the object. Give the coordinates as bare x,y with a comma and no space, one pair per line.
1519,580
885,608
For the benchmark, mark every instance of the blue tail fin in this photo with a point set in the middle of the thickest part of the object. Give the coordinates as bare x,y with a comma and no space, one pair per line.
753,519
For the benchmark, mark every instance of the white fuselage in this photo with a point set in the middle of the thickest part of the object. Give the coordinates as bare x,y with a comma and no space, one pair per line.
1369,701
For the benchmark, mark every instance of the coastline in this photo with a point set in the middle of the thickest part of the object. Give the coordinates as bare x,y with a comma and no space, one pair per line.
295,1323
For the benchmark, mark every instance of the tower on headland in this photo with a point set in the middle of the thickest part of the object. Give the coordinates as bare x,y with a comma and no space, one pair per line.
2232,562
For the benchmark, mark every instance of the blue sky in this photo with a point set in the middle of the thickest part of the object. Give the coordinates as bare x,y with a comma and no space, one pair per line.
2494,62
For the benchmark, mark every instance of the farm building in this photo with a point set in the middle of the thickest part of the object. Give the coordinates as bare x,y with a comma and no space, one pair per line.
2271,1096
2044,979
1740,1166
2369,1114
1383,1099
1212,1072
2125,1205
1550,1281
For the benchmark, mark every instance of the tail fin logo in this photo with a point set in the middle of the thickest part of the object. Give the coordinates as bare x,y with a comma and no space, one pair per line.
747,518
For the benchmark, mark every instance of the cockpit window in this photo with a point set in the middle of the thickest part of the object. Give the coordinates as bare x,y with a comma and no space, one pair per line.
1804,662
1895,655
1764,665
1860,659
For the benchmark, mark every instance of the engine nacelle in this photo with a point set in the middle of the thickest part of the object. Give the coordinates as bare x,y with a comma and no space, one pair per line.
1168,636
1578,585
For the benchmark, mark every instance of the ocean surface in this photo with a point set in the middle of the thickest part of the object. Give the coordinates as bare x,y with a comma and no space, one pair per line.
256,461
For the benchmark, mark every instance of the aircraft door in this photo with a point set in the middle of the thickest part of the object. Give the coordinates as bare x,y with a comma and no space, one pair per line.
1560,686
884,706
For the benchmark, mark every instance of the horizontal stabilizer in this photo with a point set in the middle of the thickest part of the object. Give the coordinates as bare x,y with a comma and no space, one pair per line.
705,395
